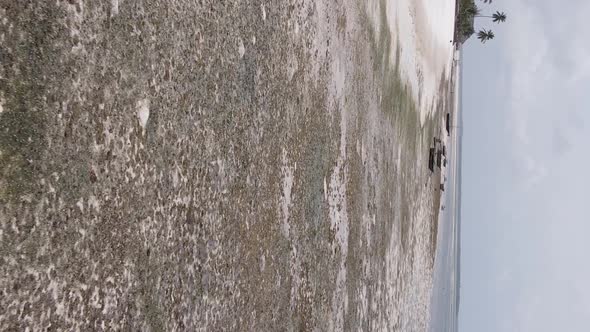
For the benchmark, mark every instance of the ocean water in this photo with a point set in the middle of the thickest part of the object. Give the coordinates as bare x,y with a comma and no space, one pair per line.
447,281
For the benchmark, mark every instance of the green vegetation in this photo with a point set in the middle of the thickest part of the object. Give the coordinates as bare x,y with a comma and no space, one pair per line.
464,25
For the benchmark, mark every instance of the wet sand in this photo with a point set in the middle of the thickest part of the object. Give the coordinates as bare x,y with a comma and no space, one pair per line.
211,166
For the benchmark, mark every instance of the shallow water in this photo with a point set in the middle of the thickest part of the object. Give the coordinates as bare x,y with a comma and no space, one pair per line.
446,285
211,166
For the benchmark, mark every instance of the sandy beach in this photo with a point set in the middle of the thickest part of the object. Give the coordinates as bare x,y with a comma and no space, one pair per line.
209,166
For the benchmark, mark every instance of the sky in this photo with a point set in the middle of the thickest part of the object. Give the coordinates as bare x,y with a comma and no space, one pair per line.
525,223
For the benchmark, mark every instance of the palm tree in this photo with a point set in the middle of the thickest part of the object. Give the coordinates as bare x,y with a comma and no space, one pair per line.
497,17
484,35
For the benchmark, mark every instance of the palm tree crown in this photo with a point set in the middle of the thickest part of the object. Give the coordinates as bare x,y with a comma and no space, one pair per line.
484,35
499,17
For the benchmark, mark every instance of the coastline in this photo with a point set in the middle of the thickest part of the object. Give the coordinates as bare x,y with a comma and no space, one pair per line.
446,289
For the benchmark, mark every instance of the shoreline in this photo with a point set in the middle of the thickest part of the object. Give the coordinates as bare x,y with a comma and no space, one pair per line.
445,299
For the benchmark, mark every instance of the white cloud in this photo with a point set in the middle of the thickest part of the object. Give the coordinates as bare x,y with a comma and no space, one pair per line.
538,246
527,58
548,57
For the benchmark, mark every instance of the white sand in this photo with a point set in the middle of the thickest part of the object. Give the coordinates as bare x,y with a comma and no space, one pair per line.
424,29
143,111
114,7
